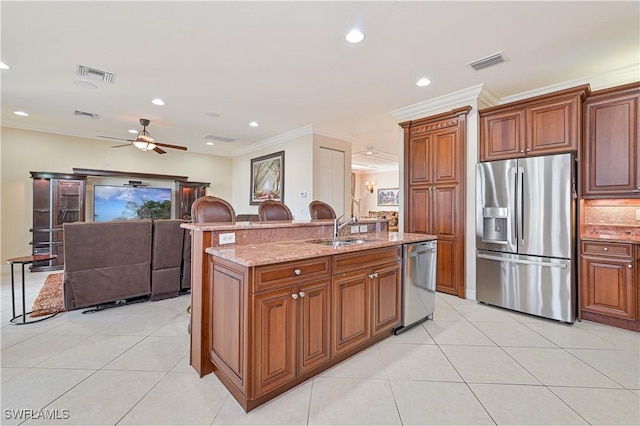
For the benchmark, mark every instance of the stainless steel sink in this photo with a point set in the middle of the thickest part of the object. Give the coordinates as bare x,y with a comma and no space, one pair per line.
339,243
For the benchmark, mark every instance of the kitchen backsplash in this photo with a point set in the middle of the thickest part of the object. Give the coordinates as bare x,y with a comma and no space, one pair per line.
618,213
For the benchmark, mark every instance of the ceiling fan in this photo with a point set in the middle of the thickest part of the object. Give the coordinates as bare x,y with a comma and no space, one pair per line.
144,141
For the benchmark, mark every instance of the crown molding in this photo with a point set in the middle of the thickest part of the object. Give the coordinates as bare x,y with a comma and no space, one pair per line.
439,104
333,135
284,137
604,80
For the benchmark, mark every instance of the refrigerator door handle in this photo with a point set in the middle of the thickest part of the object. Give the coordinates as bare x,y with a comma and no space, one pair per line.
522,261
514,211
520,204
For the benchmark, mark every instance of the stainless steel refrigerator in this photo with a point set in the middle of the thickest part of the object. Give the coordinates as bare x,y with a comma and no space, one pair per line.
525,235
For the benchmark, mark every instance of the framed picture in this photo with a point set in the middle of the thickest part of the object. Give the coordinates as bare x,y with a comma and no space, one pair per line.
388,196
267,178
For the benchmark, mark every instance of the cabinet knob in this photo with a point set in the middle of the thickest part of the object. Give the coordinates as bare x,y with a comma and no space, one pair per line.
528,149
302,294
522,151
629,266
605,249
297,271
371,276
294,296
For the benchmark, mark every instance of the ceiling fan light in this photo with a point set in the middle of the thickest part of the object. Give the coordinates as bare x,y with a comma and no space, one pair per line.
144,146
144,136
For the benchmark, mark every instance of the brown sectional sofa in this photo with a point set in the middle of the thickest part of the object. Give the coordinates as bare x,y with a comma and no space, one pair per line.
392,216
112,261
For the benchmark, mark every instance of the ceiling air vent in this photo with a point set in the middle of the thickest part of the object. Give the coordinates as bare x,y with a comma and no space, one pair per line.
95,74
211,137
488,61
86,114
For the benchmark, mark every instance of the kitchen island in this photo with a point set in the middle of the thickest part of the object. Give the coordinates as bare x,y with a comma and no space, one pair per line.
287,300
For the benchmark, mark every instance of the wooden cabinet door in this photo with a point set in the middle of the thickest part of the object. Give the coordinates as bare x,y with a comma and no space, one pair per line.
274,339
446,147
313,324
419,214
386,292
608,286
611,165
502,135
351,323
420,162
553,126
448,206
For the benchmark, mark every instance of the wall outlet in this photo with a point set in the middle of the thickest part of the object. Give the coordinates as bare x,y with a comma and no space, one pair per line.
637,214
228,238
354,229
363,228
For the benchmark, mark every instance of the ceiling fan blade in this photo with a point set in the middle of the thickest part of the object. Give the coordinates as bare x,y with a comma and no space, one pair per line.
166,145
118,139
120,146
159,151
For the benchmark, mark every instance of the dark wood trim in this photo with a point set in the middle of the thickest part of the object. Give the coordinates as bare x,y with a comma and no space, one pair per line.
583,91
612,321
115,173
55,175
617,90
450,114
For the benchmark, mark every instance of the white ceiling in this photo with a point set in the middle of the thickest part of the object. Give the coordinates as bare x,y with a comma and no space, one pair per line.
286,65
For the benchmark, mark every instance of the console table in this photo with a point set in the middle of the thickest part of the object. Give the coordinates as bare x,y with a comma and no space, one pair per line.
22,261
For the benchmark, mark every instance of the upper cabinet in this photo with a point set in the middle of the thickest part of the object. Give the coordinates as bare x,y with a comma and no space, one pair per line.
547,124
611,165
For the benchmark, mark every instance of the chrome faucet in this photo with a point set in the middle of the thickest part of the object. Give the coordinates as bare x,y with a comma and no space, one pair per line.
337,227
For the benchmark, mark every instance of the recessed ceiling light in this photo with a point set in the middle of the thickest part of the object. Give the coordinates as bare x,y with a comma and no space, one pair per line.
254,124
133,131
4,66
210,143
354,36
212,114
85,85
21,113
158,101
423,82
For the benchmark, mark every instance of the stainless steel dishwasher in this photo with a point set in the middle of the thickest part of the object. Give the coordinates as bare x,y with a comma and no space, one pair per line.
419,283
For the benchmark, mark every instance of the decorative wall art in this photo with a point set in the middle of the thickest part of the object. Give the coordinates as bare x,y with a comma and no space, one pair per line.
388,196
267,178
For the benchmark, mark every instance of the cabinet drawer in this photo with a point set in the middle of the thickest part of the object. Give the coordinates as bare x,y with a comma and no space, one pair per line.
363,259
603,248
281,274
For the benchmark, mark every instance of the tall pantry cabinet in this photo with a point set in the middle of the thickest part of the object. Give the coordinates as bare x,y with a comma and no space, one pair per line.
434,181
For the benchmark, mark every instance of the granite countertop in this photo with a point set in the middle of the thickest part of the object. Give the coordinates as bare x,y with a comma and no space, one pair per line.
225,226
284,251
621,238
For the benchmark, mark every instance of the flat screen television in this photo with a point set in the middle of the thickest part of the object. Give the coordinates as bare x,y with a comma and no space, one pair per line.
130,203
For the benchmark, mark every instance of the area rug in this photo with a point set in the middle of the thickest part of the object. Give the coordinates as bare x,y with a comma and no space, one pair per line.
49,299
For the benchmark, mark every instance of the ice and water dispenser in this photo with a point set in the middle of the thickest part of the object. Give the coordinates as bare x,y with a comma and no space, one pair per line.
494,227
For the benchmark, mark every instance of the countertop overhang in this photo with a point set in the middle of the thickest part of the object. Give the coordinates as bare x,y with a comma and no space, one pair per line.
227,226
285,251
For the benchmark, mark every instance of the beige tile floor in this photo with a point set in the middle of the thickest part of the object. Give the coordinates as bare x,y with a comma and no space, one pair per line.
473,364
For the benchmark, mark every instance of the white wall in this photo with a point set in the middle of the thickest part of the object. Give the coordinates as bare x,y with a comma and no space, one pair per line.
382,180
24,151
298,176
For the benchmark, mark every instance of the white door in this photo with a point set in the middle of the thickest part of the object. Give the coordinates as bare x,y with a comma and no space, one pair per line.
332,179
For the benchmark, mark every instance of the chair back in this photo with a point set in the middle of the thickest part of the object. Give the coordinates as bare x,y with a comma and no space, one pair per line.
274,210
321,210
212,209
